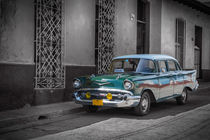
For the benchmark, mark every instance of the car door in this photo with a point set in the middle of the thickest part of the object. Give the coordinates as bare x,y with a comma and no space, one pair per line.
165,80
178,78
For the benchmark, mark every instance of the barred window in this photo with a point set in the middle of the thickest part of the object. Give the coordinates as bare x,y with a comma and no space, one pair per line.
105,29
48,44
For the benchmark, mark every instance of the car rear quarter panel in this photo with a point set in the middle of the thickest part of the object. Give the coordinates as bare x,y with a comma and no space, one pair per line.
190,79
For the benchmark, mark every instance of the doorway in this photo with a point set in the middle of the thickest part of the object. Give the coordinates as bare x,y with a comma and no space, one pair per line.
180,40
142,27
198,50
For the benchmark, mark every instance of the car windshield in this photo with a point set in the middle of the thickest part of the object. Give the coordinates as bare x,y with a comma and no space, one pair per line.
124,65
132,65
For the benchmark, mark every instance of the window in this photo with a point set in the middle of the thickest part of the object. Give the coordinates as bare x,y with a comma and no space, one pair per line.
49,48
146,66
162,66
178,66
133,65
171,66
124,65
104,34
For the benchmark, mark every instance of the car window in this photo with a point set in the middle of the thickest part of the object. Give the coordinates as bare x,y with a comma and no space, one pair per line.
171,65
178,66
162,66
124,65
146,66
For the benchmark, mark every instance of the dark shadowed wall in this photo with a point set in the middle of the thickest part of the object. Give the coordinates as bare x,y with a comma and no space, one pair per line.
16,53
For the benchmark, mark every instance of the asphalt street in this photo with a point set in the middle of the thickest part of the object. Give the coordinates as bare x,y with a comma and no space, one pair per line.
112,117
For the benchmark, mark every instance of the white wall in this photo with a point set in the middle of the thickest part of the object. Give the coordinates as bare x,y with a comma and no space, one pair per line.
126,29
80,32
155,27
172,10
17,32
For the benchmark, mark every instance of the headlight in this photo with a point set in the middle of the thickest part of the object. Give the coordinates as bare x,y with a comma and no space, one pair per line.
128,85
77,83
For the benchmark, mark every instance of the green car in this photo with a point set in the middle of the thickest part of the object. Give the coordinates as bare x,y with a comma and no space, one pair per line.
136,81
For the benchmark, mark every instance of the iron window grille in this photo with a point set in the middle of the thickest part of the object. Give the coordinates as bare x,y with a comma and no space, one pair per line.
50,71
105,30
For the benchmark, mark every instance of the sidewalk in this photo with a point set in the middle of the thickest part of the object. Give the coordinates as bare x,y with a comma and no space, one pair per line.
34,113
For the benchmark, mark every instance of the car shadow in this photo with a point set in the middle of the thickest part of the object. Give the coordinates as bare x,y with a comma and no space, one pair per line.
157,110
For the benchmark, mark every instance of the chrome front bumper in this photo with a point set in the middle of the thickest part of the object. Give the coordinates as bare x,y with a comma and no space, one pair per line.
129,101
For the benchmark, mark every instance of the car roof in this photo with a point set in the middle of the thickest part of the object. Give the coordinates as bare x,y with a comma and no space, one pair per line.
147,56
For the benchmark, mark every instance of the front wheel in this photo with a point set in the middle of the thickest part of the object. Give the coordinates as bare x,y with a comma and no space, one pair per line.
143,107
181,100
90,108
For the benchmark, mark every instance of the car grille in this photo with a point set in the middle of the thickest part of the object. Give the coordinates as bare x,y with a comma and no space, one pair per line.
100,95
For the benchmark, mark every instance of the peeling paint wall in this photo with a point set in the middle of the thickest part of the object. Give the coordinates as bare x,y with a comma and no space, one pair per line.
80,32
172,10
126,29
17,31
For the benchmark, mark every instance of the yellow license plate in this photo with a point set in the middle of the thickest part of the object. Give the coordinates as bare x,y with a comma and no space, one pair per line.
97,102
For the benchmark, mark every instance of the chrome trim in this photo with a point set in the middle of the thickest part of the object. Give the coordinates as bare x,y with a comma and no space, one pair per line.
107,90
133,97
76,79
196,85
126,80
102,84
131,101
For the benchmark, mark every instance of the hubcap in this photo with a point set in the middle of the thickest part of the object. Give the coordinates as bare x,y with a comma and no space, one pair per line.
184,95
144,104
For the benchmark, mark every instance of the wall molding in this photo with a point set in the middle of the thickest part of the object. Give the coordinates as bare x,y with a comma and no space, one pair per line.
15,63
79,65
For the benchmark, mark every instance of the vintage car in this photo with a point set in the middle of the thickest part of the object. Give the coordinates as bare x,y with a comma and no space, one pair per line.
136,81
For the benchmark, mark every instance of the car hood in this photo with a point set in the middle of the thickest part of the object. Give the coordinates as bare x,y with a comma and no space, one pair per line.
108,80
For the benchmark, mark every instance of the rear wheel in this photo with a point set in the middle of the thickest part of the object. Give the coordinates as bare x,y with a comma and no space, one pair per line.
181,100
143,107
90,108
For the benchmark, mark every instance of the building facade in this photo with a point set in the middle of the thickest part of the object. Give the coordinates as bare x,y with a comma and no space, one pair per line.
44,44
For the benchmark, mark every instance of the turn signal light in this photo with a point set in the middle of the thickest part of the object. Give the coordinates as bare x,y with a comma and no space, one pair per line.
87,95
109,96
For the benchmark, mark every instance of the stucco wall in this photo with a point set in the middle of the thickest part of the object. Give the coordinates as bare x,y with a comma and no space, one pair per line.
155,26
17,31
172,10
80,32
126,29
